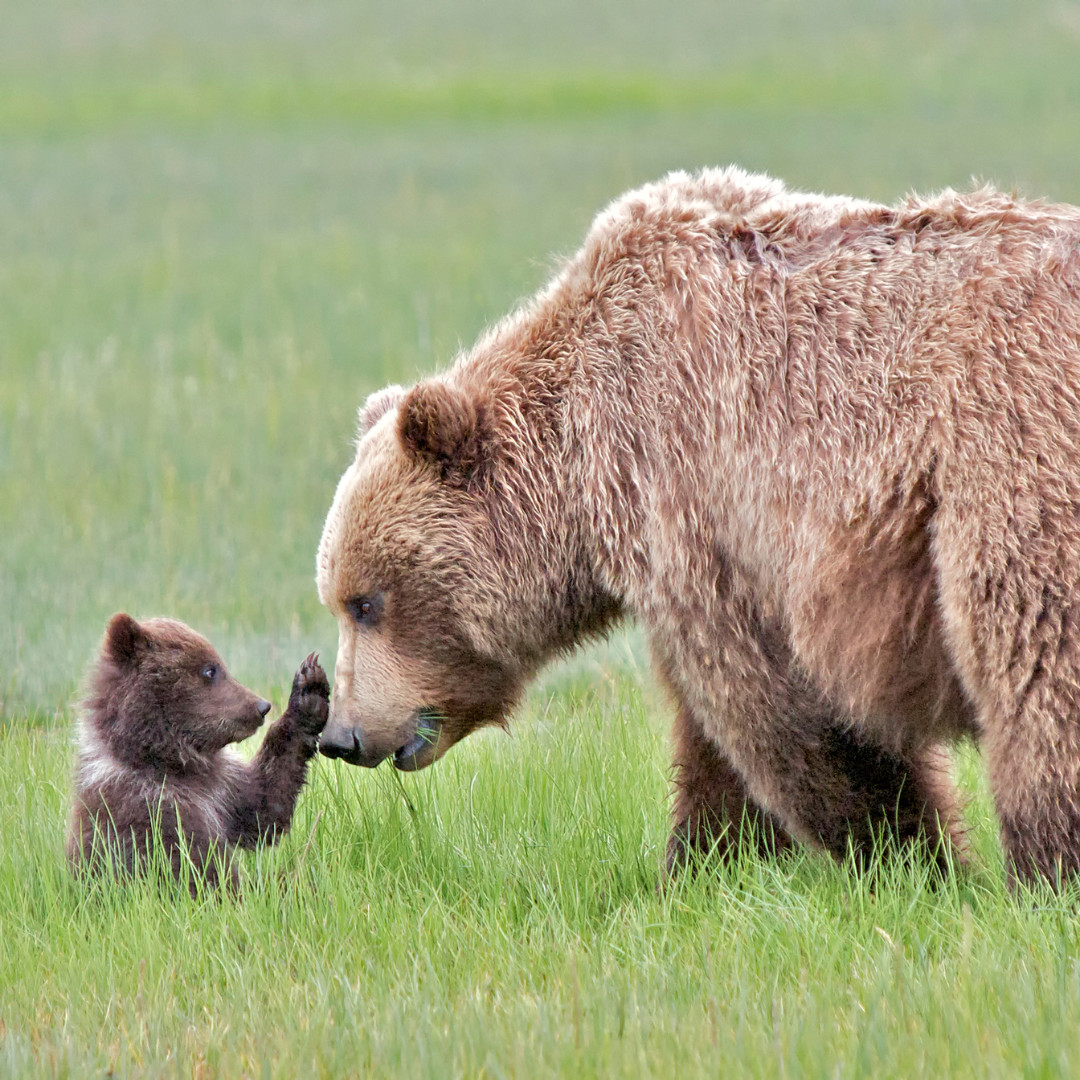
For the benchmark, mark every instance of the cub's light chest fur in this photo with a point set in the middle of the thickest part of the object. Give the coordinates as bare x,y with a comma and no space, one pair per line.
194,797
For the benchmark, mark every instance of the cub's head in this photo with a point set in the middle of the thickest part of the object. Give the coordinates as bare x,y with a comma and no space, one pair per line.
161,696
409,566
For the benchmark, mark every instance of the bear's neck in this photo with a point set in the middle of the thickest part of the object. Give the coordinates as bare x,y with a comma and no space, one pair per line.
603,377
567,426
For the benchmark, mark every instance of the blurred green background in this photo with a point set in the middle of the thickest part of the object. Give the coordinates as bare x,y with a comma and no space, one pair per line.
222,224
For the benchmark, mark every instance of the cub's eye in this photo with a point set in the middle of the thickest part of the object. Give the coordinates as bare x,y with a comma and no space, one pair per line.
365,610
209,672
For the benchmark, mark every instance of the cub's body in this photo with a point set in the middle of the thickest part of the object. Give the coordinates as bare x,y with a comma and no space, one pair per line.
153,764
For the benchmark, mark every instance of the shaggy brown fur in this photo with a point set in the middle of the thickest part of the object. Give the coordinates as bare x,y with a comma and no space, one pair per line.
826,451
161,710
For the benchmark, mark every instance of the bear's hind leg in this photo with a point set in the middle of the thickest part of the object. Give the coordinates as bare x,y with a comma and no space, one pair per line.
1031,742
1014,626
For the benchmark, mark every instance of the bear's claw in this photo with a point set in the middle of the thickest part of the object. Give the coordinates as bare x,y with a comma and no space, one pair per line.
310,698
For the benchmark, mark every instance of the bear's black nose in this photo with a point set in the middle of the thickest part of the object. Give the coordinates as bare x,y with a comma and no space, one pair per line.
263,707
338,741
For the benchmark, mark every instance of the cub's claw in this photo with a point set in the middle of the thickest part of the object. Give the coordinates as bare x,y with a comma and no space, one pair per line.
311,676
310,699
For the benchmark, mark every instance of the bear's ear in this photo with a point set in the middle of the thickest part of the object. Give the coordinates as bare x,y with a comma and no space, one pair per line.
439,424
376,406
124,638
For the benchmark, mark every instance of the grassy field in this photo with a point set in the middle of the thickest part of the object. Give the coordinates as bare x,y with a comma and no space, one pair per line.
221,225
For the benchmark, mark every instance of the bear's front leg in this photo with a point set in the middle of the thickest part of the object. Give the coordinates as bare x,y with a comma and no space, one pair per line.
713,811
754,732
270,784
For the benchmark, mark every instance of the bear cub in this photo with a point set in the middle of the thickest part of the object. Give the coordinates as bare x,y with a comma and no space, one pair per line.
153,764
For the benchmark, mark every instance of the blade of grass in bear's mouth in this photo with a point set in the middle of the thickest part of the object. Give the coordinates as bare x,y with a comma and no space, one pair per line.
429,719
428,728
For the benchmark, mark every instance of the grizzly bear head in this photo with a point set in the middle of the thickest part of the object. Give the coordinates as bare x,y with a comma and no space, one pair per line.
409,564
161,697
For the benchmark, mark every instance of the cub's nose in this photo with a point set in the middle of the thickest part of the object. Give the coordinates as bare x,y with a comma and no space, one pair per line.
262,707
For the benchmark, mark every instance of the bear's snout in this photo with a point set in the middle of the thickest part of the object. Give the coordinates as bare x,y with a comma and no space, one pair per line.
343,740
340,741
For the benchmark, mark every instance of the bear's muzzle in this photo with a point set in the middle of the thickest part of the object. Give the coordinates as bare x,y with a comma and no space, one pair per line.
418,751
338,741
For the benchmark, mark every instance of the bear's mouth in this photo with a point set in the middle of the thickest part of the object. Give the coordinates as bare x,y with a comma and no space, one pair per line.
422,749
247,726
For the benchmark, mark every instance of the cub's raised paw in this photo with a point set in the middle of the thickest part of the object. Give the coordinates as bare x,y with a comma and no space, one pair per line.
309,701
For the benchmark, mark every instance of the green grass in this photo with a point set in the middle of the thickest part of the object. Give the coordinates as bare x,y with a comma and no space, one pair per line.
220,227
500,916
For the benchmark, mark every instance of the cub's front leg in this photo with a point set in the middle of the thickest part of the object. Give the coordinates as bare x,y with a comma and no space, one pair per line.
269,785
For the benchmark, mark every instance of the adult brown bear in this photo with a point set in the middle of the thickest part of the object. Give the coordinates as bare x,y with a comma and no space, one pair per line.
826,451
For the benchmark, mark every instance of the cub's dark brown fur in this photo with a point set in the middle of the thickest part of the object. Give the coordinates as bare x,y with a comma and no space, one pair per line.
161,710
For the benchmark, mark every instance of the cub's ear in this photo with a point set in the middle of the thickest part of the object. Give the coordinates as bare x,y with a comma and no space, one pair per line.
441,425
376,406
124,638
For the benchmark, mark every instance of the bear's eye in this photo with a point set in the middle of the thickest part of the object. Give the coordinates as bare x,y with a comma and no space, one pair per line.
365,610
209,672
